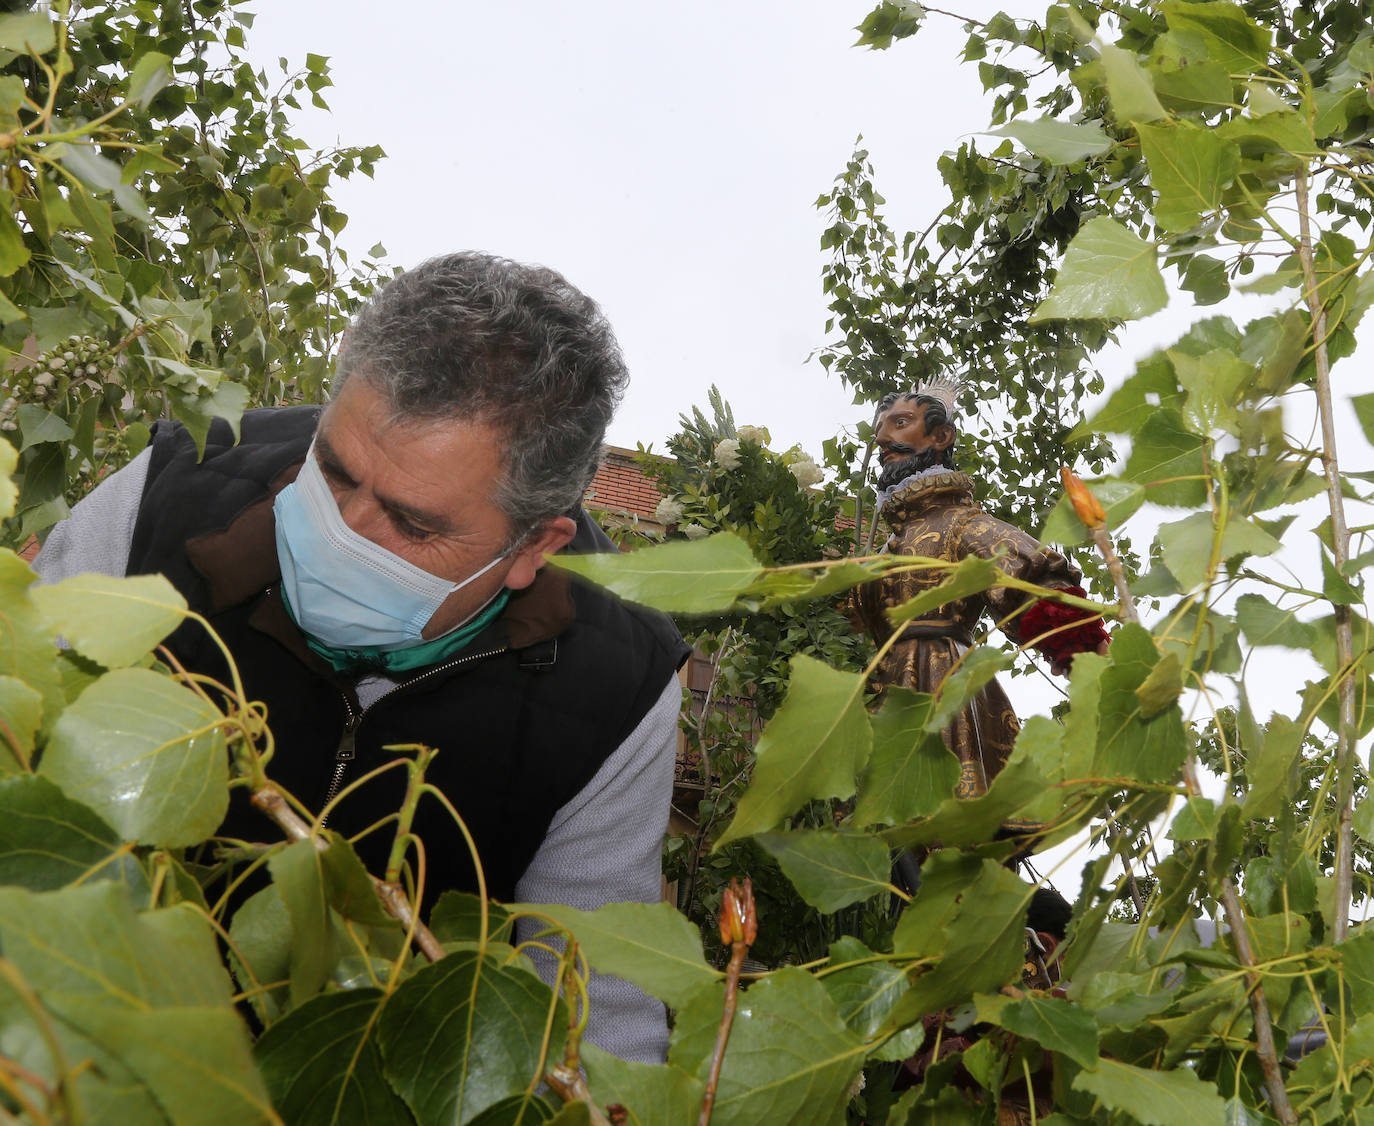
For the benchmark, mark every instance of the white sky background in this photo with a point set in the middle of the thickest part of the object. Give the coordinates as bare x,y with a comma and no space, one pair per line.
667,158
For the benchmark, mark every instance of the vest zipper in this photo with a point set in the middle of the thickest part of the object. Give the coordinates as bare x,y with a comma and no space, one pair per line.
347,751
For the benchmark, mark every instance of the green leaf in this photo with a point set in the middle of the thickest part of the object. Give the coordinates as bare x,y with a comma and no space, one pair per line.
1058,142
816,742
650,945
1268,769
1162,452
1206,279
26,33
298,871
38,424
113,621
794,587
1135,402
1057,1026
1356,954
1263,623
457,917
1196,821
322,1066
147,755
1153,1098
1215,382
27,648
975,670
865,988
973,575
1129,745
1120,500
528,1110
196,411
21,715
1233,40
1364,412
348,887
1161,689
910,770
790,1060
1107,273
13,252
969,913
1190,168
1022,783
831,870
260,952
652,1094
1336,589
196,1064
1132,96
143,996
682,577
9,458
150,74
464,1033
1187,545
48,841
1196,85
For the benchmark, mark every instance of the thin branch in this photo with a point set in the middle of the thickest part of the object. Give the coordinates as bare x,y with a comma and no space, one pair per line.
1340,552
739,927
270,801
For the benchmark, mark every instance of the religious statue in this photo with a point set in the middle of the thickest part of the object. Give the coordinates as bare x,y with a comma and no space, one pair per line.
929,507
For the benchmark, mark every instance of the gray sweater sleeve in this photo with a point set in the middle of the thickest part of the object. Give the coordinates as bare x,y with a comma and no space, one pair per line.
605,846
98,533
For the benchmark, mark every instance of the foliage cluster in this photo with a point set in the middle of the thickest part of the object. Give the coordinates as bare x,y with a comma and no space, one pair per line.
167,245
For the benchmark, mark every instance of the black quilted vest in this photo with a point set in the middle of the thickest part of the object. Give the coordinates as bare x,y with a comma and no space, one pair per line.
523,717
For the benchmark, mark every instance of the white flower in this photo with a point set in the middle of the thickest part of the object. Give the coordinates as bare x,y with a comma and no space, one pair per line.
694,532
669,511
806,471
753,434
727,453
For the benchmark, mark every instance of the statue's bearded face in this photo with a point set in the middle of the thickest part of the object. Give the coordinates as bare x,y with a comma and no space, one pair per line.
904,446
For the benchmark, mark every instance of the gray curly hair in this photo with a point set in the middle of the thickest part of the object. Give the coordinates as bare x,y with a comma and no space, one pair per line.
517,347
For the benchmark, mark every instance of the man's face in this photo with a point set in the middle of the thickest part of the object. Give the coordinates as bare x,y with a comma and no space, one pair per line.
423,491
904,445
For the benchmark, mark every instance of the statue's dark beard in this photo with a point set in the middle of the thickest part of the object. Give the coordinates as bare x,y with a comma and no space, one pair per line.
894,471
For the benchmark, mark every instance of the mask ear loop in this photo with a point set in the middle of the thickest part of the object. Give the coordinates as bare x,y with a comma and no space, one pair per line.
473,578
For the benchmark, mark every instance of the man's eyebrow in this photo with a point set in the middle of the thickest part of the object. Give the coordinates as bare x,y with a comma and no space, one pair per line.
431,521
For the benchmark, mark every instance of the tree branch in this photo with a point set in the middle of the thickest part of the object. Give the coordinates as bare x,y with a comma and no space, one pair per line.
1340,553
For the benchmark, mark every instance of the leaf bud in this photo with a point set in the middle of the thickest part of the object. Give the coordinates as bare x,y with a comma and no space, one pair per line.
1085,504
6,140
738,920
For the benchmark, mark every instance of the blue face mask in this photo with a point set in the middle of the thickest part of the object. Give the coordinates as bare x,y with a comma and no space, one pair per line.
345,591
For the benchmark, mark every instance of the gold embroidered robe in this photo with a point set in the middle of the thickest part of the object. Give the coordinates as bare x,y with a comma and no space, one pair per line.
936,517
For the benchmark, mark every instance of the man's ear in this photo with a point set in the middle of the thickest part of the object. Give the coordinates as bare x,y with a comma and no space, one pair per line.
943,437
556,533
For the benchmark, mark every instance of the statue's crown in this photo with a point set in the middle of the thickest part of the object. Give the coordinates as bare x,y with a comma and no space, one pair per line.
944,391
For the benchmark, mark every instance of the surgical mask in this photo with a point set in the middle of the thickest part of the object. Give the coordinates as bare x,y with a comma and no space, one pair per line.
343,589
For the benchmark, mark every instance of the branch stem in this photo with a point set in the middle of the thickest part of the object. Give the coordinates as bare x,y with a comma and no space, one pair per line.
1340,552
268,800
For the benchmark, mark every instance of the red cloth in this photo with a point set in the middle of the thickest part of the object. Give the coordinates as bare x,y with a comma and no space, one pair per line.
1061,647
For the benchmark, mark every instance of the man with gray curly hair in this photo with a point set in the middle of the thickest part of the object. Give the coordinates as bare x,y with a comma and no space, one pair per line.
376,567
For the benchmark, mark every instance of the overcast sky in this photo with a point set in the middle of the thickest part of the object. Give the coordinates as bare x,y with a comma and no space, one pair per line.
665,157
